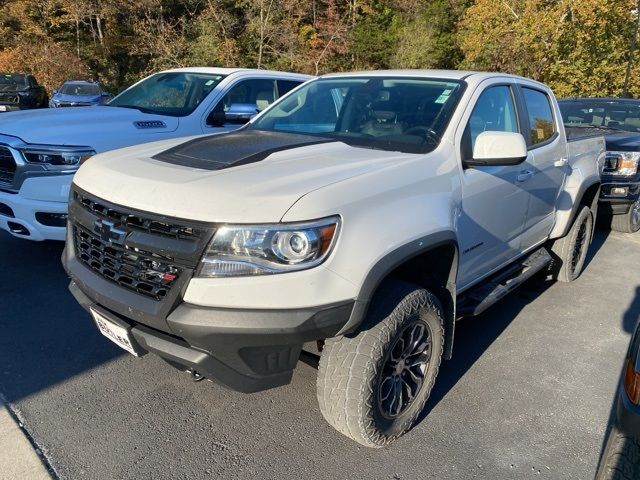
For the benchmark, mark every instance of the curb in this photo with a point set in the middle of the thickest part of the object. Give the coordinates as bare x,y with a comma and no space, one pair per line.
19,457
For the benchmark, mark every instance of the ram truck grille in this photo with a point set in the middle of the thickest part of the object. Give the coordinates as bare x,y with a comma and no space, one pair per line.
9,98
7,167
143,272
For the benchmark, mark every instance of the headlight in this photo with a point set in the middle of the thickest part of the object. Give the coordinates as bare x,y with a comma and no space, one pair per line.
622,163
57,159
241,250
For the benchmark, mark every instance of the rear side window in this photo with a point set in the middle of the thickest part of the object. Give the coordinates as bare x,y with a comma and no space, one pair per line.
285,86
540,115
494,111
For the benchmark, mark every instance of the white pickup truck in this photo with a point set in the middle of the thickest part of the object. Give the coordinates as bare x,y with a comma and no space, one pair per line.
366,212
41,149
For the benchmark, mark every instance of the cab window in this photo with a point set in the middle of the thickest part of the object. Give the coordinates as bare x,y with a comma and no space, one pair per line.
541,123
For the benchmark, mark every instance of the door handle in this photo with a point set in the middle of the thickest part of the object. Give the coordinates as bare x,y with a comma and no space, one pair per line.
524,175
560,162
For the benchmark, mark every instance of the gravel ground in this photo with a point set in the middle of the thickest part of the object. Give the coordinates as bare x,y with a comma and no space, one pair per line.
528,393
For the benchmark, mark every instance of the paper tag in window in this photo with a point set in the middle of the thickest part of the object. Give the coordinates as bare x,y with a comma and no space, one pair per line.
540,133
444,96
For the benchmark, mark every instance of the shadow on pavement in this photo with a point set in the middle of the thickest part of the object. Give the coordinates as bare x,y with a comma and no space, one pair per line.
46,336
475,335
632,314
629,322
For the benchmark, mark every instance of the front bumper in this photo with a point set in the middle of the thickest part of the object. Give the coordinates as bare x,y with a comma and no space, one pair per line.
247,350
38,210
22,217
618,204
11,108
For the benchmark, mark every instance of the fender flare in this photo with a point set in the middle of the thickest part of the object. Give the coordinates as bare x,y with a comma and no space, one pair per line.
587,184
393,260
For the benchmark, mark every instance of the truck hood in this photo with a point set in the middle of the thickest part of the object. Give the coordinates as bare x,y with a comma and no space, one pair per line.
97,127
623,142
257,185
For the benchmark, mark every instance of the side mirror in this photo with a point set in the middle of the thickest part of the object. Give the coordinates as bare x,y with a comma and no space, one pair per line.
237,114
240,113
216,118
498,148
55,92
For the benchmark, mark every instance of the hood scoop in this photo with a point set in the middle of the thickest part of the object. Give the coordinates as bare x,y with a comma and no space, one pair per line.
216,152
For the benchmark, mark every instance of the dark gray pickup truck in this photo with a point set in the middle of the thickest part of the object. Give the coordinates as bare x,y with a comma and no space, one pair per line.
619,122
19,91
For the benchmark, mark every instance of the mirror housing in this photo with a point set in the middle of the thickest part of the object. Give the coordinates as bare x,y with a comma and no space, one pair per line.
498,148
55,92
237,114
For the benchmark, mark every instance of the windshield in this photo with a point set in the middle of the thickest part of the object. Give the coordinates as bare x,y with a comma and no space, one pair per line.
12,79
80,89
615,115
176,93
388,113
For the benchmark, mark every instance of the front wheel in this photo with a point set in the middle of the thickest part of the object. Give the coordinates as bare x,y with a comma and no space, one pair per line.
571,250
373,384
628,222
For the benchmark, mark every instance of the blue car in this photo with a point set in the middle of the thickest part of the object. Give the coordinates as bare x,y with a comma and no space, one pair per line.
79,94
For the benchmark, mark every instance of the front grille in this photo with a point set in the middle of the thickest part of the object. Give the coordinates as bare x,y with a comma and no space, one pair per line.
7,166
9,98
75,104
138,222
143,272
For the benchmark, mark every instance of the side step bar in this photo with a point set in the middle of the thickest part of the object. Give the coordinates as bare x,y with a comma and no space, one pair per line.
481,297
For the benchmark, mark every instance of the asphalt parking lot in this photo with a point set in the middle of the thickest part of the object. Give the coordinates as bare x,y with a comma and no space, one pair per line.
527,395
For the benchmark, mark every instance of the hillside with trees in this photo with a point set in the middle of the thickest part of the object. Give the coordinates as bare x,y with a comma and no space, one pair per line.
579,47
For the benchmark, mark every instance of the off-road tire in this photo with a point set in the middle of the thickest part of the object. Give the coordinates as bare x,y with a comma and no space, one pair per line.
628,222
621,457
566,268
349,372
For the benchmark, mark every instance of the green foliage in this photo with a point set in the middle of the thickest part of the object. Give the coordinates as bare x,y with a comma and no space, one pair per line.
579,47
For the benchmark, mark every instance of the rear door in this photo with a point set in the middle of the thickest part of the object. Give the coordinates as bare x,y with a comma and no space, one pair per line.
545,170
494,205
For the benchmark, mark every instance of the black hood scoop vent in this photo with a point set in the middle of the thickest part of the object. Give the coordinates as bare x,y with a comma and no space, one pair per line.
215,152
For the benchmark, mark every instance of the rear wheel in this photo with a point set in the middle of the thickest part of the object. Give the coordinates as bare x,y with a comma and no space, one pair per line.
628,222
571,250
373,385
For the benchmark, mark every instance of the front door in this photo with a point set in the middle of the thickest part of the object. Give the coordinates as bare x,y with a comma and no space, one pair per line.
494,205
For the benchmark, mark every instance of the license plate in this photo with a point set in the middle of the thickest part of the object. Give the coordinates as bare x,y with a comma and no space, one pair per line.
3,108
117,334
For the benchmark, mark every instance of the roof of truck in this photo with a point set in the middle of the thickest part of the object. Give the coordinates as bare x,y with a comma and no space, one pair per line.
230,71
441,74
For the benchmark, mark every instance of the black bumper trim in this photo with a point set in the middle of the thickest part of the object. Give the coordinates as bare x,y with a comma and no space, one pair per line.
244,350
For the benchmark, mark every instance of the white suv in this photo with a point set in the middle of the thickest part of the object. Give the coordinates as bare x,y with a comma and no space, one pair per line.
41,149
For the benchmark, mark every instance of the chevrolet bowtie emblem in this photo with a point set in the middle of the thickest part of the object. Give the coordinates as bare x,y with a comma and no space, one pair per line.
108,232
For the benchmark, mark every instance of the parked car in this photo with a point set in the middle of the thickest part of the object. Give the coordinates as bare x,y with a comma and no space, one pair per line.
79,93
621,455
619,118
20,91
40,151
363,211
